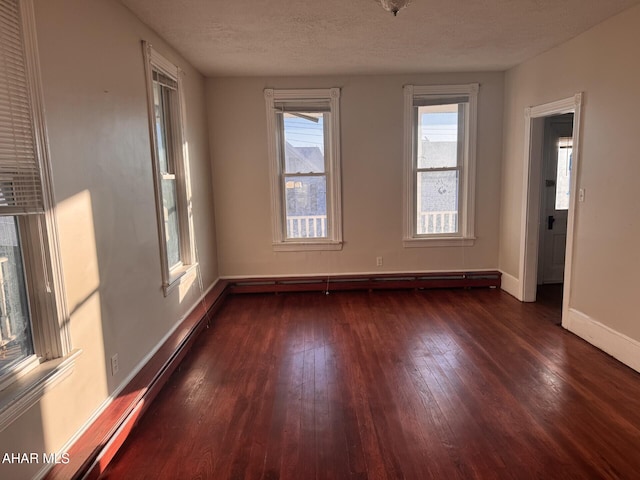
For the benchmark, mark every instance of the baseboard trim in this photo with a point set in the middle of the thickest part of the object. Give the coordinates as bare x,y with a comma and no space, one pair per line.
107,429
510,284
386,281
616,344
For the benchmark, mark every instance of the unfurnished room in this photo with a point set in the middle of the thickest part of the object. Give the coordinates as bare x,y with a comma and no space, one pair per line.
265,239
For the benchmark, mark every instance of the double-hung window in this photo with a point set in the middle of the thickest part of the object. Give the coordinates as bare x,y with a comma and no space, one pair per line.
304,153
440,136
34,337
171,178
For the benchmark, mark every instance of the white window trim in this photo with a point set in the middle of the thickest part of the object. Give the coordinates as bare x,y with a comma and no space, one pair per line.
334,189
466,236
54,359
171,278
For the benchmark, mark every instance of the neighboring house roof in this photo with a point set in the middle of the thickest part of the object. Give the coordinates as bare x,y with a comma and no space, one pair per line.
303,159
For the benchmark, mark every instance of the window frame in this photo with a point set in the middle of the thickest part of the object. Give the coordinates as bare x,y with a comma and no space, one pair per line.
296,99
53,358
171,275
466,166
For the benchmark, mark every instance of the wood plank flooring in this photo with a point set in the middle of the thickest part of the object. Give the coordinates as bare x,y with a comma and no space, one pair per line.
447,384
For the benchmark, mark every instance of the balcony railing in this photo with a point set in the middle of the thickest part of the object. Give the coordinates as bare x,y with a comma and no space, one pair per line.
307,226
437,222
315,226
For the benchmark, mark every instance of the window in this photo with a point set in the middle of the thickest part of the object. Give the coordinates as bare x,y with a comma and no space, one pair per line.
304,152
440,134
171,179
34,338
563,172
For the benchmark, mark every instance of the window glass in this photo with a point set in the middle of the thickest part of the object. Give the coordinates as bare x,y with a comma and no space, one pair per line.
171,222
438,167
437,136
437,198
563,173
304,142
15,328
161,112
305,193
306,206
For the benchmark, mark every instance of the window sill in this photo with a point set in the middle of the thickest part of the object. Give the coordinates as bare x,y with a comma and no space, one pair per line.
26,391
439,242
182,274
307,246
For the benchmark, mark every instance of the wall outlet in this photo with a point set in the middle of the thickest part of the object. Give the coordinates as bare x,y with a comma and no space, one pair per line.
581,194
378,261
115,365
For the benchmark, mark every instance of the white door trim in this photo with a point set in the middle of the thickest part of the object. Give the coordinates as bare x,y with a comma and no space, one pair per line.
531,208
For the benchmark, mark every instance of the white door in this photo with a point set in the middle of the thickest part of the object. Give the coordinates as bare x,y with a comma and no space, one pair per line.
555,198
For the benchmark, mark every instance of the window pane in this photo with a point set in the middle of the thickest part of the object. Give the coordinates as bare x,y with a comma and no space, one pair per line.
304,142
437,136
15,327
160,109
563,174
171,226
437,202
306,209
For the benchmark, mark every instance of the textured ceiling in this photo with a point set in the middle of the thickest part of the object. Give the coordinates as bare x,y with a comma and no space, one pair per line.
318,37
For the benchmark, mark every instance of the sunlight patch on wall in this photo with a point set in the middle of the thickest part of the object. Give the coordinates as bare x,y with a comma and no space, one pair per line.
78,248
187,282
82,283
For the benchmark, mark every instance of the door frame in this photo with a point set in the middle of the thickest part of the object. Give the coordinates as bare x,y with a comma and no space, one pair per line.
529,238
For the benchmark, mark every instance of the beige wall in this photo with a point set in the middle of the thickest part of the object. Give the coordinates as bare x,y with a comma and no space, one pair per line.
604,64
95,97
372,129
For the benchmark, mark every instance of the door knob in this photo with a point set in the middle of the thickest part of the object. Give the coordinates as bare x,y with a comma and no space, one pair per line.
550,221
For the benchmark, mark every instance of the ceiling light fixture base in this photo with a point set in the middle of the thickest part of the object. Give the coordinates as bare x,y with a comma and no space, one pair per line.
394,6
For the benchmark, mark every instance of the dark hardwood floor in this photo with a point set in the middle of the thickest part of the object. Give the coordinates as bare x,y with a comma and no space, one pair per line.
550,295
440,384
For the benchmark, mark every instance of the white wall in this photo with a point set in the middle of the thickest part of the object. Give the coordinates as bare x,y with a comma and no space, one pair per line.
372,129
605,65
96,113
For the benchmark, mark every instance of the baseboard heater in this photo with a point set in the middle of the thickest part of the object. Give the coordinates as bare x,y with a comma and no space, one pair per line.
331,283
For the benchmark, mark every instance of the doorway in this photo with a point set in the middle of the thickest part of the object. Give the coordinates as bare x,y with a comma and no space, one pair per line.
554,198
552,134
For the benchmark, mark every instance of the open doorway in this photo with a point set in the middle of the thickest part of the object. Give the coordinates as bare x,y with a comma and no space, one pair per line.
555,191
550,180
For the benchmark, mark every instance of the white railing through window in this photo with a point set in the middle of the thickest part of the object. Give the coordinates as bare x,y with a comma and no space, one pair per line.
306,226
437,222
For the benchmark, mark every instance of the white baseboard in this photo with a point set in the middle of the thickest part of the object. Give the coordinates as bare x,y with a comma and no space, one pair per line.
616,344
510,284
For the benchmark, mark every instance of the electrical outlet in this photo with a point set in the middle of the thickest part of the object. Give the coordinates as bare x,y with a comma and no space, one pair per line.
115,365
378,261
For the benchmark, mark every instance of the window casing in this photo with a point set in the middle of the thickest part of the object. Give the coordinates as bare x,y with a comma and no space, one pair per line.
35,344
304,155
170,168
439,158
